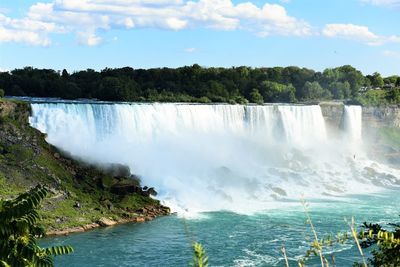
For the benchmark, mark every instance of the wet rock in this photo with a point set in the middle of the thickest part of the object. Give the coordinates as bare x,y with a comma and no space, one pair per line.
142,210
279,191
106,222
140,219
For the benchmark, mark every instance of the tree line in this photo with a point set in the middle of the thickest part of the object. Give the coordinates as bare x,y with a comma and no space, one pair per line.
198,84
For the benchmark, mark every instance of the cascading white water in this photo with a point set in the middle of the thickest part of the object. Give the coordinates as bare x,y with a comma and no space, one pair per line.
212,157
353,122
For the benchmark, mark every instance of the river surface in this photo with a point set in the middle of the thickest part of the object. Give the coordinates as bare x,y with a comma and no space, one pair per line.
230,239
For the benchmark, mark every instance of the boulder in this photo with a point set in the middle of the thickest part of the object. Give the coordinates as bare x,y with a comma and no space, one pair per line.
106,222
123,189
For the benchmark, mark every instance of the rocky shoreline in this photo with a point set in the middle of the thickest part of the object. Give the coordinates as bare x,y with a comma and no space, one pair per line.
146,214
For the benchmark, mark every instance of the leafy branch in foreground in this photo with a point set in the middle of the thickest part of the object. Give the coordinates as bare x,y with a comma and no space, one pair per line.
19,230
200,258
387,249
386,244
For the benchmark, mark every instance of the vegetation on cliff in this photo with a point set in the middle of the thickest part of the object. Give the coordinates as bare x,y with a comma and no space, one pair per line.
80,194
198,84
19,230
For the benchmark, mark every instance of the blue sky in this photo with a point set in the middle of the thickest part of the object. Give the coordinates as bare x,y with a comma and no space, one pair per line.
318,34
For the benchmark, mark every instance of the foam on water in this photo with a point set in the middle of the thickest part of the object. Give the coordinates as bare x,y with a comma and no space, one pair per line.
219,157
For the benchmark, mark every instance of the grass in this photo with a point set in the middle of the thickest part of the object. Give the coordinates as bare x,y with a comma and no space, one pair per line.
8,189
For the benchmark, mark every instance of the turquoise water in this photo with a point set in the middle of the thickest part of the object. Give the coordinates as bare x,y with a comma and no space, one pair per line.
230,239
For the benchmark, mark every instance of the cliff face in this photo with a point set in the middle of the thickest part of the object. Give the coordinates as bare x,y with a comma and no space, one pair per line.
333,114
81,195
377,117
372,117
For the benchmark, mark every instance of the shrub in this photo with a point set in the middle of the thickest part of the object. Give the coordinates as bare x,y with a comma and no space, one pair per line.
19,230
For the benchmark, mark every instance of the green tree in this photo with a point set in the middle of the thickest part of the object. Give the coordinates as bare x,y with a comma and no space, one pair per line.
391,79
376,80
256,97
312,90
19,230
276,92
340,90
393,96
114,89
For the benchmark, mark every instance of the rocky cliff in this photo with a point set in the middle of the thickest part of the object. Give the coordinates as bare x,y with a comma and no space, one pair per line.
82,196
373,117
381,116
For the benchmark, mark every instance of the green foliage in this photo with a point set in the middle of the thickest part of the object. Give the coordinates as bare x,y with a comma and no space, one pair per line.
373,98
200,258
194,84
19,230
376,80
312,91
340,90
256,97
386,244
393,96
204,100
276,92
1,93
241,100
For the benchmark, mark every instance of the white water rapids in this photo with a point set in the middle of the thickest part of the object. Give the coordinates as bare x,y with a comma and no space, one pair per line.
219,157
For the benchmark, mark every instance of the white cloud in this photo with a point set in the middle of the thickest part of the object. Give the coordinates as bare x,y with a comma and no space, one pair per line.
86,18
357,33
27,30
388,3
22,36
391,54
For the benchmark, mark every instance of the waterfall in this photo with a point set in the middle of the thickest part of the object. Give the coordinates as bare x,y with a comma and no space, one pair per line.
212,157
353,122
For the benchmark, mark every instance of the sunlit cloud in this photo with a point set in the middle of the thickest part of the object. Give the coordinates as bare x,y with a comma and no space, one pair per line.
85,18
358,33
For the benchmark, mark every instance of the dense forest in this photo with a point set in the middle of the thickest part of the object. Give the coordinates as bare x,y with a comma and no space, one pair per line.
198,84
